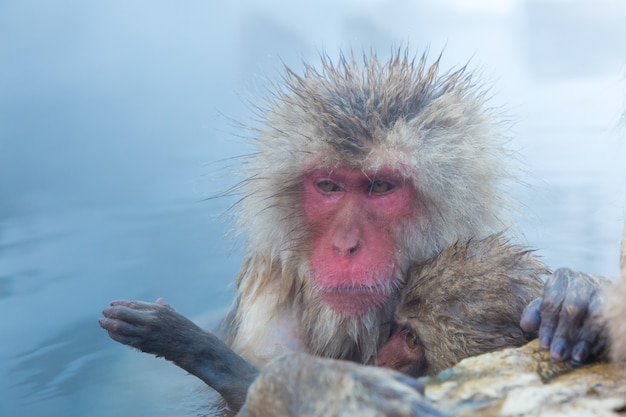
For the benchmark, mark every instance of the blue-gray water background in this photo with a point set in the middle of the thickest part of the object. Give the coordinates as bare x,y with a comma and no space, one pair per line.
119,118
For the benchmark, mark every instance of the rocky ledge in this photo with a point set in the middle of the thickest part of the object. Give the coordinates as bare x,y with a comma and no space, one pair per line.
525,382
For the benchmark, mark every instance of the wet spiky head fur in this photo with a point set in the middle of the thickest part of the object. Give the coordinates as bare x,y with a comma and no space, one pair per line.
432,129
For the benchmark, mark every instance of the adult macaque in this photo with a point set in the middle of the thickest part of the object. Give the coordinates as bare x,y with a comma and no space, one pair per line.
466,301
361,171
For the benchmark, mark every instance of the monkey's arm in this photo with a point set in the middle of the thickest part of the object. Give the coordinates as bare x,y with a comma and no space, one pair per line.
568,316
158,329
303,385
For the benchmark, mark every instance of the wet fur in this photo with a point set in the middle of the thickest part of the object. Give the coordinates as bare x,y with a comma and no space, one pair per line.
434,128
469,300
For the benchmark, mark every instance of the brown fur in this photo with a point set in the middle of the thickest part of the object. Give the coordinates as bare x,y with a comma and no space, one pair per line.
469,300
401,114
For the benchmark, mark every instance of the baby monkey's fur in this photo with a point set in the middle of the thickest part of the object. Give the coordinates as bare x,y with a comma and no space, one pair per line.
468,300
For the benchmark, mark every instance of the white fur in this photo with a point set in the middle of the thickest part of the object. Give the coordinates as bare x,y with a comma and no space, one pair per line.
434,130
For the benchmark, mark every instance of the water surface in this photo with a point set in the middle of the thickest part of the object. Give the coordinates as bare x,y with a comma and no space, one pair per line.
118,120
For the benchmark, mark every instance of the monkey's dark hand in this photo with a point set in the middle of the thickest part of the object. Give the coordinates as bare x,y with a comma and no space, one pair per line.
303,385
158,329
568,316
150,327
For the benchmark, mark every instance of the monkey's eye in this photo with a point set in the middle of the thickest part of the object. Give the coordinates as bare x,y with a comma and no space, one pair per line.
328,186
411,339
379,187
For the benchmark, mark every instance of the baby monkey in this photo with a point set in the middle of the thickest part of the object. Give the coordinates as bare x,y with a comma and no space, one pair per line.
466,301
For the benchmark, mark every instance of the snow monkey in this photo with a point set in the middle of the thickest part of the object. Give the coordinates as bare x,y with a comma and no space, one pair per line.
362,169
466,301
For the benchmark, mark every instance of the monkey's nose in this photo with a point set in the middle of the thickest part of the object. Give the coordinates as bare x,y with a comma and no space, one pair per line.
347,238
346,248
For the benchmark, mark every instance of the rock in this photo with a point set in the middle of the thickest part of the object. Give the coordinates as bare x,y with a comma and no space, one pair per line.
526,382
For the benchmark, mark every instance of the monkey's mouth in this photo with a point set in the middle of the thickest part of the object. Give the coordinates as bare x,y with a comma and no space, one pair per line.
354,302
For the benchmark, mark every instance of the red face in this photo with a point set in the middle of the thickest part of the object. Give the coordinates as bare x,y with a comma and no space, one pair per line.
354,217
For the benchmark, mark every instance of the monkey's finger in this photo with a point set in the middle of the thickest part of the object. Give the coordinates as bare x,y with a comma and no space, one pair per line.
128,340
126,314
163,302
553,296
570,320
118,328
591,339
580,352
134,304
573,312
531,316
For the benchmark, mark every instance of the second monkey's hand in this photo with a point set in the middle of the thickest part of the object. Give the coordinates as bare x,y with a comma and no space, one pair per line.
567,316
